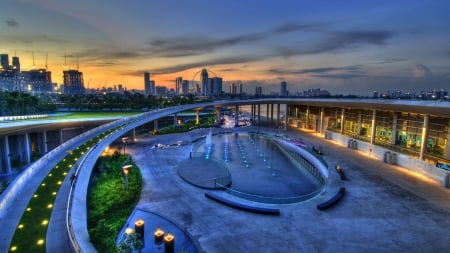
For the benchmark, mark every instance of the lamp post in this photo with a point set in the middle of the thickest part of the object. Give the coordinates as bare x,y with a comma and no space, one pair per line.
126,170
124,140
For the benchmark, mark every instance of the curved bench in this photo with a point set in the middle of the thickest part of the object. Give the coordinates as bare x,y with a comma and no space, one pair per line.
242,206
336,198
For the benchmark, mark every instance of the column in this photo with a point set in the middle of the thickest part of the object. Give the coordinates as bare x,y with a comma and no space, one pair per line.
61,138
447,146
27,148
278,115
6,155
155,125
44,139
372,134
175,119
322,113
197,117
236,115
307,118
271,114
219,114
358,129
342,120
297,113
286,117
394,128
267,112
133,134
423,145
259,114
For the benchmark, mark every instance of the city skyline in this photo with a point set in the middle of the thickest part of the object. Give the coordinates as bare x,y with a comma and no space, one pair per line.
347,48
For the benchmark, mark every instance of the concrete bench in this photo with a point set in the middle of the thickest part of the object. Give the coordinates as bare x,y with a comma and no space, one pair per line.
335,199
242,206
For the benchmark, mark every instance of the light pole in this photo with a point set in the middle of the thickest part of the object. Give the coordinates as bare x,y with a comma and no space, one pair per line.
126,170
124,140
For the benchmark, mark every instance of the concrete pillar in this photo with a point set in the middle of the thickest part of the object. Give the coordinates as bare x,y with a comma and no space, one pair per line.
155,125
374,124
175,119
286,117
278,115
307,118
358,129
133,134
423,145
297,112
322,113
259,114
447,146
27,148
271,114
197,117
394,128
61,138
219,114
6,156
267,112
342,120
45,142
236,115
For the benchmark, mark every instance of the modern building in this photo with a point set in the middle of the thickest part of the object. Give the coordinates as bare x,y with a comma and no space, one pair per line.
161,90
283,89
37,81
178,85
204,81
241,89
233,89
258,91
185,87
10,78
73,82
215,86
148,88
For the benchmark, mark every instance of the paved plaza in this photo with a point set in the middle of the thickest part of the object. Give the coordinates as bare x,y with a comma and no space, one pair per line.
385,209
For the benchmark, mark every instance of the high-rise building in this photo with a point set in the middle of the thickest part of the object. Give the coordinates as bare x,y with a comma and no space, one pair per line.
178,84
147,85
233,89
4,61
283,89
16,63
204,82
215,86
258,91
241,88
73,82
185,87
37,81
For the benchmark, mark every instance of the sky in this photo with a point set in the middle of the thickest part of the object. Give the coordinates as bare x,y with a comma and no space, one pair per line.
345,47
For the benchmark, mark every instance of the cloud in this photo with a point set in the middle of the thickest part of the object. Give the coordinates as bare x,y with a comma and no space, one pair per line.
354,69
12,23
421,71
184,46
333,41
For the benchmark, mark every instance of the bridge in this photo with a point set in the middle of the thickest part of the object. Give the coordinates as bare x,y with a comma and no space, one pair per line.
15,197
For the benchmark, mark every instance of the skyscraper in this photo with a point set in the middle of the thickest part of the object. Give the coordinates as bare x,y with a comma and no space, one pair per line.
283,89
204,82
178,84
241,87
147,85
73,82
4,61
185,87
215,86
258,91
16,63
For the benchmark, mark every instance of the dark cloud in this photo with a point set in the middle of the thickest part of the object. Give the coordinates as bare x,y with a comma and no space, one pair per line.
12,23
390,60
355,69
340,76
421,71
334,41
182,46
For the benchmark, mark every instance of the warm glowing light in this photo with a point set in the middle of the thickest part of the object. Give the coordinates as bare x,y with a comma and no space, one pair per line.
13,248
64,159
20,226
56,166
159,235
49,206
54,193
129,231
35,196
59,182
65,173
40,242
28,209
50,175
76,159
44,222
70,165
43,184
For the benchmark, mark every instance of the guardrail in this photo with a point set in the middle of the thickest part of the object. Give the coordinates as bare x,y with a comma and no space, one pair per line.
22,117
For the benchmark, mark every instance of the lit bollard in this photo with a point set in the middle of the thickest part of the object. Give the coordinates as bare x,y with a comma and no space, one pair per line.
169,241
139,228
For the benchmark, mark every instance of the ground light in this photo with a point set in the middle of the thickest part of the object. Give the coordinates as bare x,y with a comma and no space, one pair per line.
34,222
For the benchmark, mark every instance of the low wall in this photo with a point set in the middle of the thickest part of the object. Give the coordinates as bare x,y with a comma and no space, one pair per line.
410,163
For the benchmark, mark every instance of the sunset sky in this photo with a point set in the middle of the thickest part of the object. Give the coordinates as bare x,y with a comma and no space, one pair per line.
346,47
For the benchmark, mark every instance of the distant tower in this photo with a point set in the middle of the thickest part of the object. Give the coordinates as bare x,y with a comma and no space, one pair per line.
178,84
283,89
241,87
4,61
73,82
258,91
204,82
16,63
215,87
185,87
147,85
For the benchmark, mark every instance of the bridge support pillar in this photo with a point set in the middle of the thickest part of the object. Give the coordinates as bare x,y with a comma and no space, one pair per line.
197,117
5,165
236,115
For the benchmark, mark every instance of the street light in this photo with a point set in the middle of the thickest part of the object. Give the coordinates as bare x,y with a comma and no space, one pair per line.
124,140
126,170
